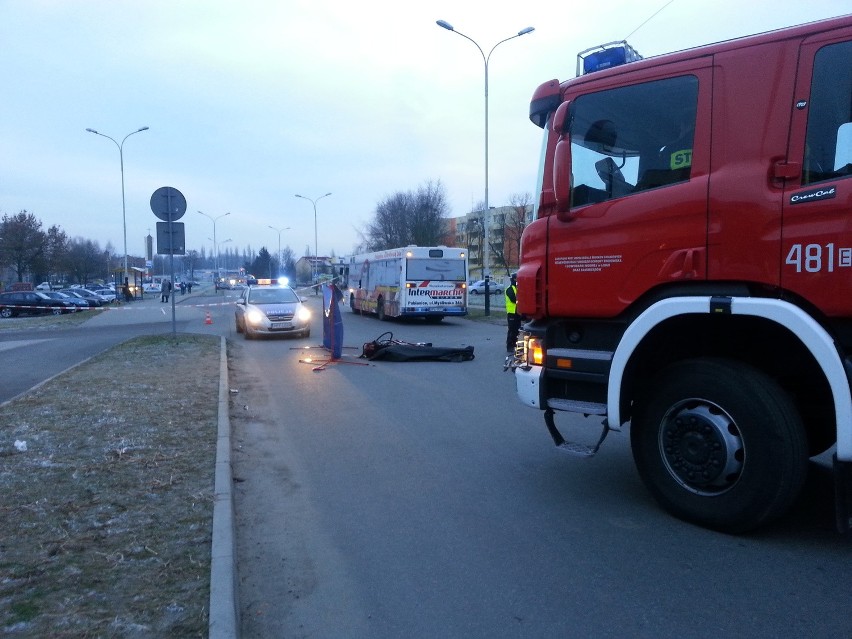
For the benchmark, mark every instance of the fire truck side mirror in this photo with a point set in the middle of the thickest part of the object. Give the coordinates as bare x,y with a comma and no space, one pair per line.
562,161
560,119
562,178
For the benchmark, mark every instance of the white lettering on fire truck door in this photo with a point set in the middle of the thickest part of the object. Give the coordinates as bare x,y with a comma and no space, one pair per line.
815,258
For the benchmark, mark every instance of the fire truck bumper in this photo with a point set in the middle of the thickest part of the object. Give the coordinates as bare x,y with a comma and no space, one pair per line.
528,382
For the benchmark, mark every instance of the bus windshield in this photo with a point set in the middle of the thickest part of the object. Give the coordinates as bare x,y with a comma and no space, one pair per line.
435,269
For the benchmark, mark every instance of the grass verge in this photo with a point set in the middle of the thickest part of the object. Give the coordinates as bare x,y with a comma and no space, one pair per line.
48,321
106,495
497,316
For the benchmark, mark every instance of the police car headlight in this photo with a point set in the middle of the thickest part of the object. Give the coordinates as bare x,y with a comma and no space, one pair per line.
303,314
254,316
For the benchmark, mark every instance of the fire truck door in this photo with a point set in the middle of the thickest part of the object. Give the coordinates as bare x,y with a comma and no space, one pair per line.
816,256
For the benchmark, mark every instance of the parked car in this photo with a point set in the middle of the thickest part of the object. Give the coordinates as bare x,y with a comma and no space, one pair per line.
107,293
76,300
271,310
90,302
478,288
94,298
32,303
49,286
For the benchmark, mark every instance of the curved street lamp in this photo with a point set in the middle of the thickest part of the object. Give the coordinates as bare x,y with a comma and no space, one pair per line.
486,254
215,245
123,207
316,251
286,228
217,254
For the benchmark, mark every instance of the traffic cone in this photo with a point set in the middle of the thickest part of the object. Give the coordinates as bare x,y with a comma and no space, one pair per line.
208,318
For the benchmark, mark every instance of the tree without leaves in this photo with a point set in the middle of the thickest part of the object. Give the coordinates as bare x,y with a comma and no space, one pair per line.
426,223
504,232
405,218
288,263
514,224
84,259
389,227
191,260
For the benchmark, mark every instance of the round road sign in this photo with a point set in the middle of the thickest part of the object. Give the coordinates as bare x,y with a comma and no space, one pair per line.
168,203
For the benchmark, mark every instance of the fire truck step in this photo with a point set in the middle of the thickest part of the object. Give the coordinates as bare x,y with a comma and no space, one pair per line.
572,406
572,448
577,450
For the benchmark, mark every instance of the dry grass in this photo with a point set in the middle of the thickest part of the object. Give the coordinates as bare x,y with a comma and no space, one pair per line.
497,316
106,517
48,321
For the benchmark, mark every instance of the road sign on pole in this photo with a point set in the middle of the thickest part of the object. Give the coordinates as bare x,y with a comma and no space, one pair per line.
169,205
171,238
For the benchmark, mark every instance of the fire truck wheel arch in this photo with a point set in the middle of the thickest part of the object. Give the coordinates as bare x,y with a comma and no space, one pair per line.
810,333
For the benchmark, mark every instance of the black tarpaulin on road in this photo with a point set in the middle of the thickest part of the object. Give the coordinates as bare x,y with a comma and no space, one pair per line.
386,348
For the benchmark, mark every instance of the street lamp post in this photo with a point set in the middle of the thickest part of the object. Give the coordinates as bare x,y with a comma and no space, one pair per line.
216,249
486,255
286,228
316,251
123,207
215,245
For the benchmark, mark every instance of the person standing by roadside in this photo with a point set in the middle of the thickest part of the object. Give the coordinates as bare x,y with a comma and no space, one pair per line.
165,289
512,318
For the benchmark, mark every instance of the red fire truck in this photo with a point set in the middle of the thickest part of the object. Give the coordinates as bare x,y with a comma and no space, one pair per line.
689,268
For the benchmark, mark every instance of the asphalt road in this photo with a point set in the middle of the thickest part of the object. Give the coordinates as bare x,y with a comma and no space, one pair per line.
30,356
422,500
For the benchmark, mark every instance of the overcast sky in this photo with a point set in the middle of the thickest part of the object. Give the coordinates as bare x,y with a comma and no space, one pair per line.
253,101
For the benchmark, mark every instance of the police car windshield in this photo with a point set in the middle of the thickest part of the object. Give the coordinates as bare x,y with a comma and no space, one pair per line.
272,295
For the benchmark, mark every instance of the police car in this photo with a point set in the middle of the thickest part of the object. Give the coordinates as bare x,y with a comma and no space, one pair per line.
268,307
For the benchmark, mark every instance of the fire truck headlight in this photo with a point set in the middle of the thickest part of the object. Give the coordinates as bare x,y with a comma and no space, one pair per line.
535,352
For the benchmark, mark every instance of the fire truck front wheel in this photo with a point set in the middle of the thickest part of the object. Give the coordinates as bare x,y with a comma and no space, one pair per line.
720,444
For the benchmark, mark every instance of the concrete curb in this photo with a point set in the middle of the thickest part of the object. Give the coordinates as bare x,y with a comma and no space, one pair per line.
224,614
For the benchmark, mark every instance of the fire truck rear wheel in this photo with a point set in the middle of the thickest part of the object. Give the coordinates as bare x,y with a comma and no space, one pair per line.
380,309
720,444
352,306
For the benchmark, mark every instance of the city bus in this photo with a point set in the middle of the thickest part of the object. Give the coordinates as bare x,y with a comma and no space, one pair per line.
413,281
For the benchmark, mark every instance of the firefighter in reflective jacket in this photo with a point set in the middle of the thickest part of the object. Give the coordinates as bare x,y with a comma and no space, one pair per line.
512,317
